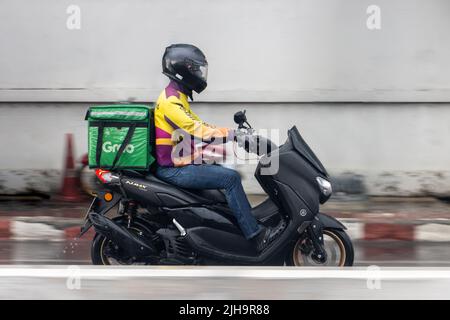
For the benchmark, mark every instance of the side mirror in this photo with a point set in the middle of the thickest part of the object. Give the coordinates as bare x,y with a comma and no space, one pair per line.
240,118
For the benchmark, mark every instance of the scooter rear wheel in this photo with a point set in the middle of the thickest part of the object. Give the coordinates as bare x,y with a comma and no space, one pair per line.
337,244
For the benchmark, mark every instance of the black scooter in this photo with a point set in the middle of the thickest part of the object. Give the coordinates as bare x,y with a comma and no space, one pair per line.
160,224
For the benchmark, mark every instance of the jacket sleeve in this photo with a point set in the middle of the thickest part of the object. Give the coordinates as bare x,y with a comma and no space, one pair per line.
180,118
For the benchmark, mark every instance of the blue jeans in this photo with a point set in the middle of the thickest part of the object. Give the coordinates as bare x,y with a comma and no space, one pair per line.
209,176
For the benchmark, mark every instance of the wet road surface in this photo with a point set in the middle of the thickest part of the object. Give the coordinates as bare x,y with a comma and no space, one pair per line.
69,275
72,282
62,269
381,253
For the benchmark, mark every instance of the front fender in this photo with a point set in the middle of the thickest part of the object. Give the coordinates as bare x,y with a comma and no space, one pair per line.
330,222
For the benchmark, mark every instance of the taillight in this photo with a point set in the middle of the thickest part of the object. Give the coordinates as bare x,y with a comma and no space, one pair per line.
104,176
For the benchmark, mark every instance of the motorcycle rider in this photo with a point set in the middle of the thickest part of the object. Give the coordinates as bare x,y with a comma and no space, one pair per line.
178,129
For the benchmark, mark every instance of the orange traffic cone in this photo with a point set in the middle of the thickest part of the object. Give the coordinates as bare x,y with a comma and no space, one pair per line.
70,190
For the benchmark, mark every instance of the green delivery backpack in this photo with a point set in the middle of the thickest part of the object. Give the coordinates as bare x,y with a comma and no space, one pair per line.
120,137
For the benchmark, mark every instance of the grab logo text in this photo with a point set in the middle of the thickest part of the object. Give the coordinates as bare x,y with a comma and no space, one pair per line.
109,147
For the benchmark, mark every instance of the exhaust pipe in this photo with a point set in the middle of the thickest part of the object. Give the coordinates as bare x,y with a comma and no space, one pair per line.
133,245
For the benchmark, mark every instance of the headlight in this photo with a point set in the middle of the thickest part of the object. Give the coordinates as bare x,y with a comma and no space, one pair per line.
325,186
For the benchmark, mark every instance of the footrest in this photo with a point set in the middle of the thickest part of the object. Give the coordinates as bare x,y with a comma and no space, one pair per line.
221,241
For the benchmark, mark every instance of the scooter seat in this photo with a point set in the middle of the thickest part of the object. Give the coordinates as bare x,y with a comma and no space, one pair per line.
210,194
201,195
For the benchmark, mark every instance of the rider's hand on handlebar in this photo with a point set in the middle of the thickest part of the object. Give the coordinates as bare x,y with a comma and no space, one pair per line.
240,136
245,139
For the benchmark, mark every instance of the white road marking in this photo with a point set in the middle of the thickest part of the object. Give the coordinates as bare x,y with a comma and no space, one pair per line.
35,231
355,230
433,232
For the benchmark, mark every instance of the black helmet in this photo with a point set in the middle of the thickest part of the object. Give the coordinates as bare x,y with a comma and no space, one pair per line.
187,65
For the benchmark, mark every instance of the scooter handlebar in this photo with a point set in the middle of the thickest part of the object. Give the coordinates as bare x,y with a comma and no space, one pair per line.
254,143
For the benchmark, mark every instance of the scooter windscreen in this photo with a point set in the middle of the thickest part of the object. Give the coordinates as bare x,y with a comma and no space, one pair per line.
305,151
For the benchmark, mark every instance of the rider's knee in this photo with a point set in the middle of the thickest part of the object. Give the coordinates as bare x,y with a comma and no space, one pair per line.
233,177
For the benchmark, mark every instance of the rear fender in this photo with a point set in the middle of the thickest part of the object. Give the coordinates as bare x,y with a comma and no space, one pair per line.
100,206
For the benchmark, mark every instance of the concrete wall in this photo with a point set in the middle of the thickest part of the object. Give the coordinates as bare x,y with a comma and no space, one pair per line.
258,50
374,104
381,149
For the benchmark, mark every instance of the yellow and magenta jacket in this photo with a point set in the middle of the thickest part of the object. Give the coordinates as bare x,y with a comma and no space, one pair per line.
179,129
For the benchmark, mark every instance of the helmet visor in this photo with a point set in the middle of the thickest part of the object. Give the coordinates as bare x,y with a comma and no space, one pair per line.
204,72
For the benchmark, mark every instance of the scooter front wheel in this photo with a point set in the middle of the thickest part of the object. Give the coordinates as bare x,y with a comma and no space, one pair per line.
337,244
